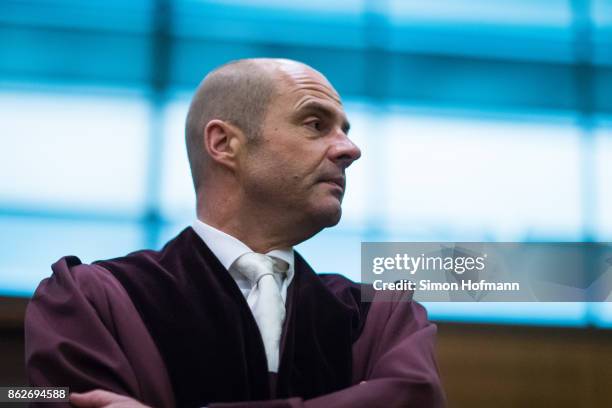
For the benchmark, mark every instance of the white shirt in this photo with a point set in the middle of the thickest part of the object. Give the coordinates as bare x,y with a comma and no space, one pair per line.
227,249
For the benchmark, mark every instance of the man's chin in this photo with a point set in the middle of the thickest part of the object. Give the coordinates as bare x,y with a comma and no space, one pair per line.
330,217
316,222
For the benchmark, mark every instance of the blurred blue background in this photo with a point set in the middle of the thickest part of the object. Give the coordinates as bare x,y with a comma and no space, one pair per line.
478,121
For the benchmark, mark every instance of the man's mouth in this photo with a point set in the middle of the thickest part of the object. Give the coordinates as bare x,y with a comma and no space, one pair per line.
338,182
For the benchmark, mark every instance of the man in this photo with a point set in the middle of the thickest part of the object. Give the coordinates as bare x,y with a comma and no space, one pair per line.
227,314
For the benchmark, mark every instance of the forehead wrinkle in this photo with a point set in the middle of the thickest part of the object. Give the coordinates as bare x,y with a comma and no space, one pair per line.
309,99
320,93
320,89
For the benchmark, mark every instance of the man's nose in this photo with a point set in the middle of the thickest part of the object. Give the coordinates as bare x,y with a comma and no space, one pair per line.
345,152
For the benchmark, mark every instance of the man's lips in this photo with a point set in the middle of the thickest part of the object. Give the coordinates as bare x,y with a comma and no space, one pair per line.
336,181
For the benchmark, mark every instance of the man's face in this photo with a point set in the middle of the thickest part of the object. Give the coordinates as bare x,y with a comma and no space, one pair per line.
297,166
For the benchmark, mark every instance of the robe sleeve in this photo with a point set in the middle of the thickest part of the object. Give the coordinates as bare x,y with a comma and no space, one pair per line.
82,331
393,363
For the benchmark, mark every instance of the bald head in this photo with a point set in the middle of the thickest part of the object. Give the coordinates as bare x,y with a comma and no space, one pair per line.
239,93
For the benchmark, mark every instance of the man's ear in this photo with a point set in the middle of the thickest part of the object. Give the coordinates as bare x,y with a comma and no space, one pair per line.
222,141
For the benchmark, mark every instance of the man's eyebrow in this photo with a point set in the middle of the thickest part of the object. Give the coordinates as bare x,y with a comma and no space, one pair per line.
318,107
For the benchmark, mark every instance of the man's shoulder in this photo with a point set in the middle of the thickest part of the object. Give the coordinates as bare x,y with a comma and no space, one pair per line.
364,298
143,258
343,287
336,279
69,273
338,283
73,284
73,266
150,259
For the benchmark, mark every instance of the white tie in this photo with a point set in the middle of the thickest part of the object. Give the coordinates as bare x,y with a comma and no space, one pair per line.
265,300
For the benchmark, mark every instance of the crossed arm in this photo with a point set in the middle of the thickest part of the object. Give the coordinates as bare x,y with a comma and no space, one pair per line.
83,331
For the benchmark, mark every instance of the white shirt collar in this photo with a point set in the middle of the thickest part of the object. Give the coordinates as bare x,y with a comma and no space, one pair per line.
228,248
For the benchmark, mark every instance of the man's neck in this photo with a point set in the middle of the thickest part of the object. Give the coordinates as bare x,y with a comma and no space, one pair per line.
262,237
262,228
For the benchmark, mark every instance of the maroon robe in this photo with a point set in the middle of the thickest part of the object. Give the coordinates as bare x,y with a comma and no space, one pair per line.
171,328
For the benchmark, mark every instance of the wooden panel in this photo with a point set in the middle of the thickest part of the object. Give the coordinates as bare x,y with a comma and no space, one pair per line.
12,370
12,311
507,366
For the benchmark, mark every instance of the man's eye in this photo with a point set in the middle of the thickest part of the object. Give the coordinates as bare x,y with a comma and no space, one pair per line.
315,124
